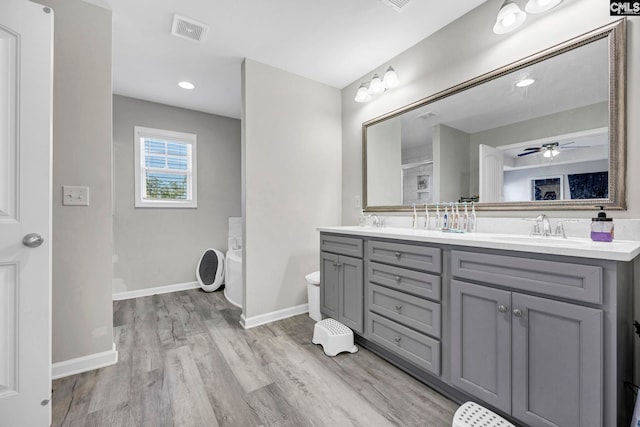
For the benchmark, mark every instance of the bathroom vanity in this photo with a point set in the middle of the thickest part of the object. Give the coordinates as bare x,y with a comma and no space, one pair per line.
538,329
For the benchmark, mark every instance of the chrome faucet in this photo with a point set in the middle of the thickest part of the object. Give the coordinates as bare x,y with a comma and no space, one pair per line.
542,226
375,220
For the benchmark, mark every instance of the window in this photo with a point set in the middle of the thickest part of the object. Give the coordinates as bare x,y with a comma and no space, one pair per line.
165,163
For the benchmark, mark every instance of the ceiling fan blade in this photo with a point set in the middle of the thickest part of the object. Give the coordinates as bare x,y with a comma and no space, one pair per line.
526,154
566,143
531,148
575,146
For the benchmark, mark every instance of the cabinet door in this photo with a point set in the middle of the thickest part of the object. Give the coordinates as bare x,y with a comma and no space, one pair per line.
329,282
557,363
351,299
481,342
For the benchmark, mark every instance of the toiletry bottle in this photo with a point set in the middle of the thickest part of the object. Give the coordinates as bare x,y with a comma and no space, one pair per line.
415,217
426,216
472,218
465,218
445,218
362,219
455,213
438,225
602,227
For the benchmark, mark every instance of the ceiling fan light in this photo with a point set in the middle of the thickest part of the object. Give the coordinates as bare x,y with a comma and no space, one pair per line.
539,6
376,87
390,78
510,17
362,95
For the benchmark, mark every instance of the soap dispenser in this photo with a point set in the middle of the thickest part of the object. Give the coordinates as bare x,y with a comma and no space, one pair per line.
602,227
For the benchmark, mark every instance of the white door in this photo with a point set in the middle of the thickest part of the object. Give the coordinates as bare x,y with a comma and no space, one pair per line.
26,34
491,174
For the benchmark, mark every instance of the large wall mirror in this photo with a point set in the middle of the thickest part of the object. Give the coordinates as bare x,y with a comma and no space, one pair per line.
547,132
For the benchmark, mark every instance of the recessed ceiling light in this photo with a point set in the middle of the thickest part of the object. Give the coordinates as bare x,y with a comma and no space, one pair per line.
525,82
186,85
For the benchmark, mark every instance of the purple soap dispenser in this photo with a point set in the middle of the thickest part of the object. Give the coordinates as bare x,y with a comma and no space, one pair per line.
602,227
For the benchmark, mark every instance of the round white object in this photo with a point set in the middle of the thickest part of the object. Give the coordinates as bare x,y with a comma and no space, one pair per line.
210,270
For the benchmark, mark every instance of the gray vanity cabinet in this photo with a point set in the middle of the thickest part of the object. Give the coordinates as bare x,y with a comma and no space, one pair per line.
481,342
537,359
341,281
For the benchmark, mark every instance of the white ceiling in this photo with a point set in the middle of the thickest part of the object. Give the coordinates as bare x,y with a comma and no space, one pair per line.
330,41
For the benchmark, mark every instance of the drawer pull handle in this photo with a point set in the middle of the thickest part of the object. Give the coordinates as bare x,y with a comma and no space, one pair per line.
398,339
517,312
398,255
398,308
398,278
503,308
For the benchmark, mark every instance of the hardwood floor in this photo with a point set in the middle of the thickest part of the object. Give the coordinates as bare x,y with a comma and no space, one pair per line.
184,360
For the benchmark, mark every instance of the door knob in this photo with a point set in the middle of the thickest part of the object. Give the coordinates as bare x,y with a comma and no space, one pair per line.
32,240
517,312
398,255
502,308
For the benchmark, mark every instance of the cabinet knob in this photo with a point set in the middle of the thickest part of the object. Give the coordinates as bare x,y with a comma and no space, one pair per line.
398,278
517,312
398,254
398,308
503,308
398,339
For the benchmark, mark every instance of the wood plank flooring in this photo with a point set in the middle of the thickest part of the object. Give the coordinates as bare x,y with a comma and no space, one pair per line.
184,360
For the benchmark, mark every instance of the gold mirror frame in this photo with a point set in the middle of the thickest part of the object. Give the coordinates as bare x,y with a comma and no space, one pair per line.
615,33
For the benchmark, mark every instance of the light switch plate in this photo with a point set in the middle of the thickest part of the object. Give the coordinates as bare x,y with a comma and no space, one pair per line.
75,195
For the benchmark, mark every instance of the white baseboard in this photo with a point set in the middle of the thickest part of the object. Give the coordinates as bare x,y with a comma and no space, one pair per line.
154,291
84,363
252,322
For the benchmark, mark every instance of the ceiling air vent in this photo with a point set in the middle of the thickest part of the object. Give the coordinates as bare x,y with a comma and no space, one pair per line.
188,28
397,5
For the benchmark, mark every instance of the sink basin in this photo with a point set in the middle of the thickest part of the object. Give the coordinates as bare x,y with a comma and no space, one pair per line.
538,240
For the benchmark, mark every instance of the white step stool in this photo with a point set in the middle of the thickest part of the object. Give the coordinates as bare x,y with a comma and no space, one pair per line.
334,337
473,415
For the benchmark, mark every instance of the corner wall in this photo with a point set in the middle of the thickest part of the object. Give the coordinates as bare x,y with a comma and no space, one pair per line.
468,48
155,247
291,185
82,241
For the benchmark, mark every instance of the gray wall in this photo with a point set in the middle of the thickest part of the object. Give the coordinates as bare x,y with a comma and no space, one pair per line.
291,183
467,48
450,148
161,246
81,298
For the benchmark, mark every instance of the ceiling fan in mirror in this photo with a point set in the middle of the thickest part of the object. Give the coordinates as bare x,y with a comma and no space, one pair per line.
550,149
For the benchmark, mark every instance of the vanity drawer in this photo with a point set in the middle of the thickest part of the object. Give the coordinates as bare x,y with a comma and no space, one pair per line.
341,245
411,345
414,312
415,282
403,255
578,282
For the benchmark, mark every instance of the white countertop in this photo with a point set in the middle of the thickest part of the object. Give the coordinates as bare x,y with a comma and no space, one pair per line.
618,250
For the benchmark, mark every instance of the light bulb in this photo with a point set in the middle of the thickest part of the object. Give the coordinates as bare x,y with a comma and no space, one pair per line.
362,95
390,79
376,87
510,17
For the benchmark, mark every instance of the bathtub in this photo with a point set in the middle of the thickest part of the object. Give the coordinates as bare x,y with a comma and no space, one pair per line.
233,286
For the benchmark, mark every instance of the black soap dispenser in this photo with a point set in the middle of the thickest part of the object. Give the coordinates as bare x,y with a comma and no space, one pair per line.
602,227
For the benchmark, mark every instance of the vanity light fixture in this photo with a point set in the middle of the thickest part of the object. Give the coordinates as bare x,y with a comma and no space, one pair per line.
510,17
377,85
527,81
186,85
539,6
